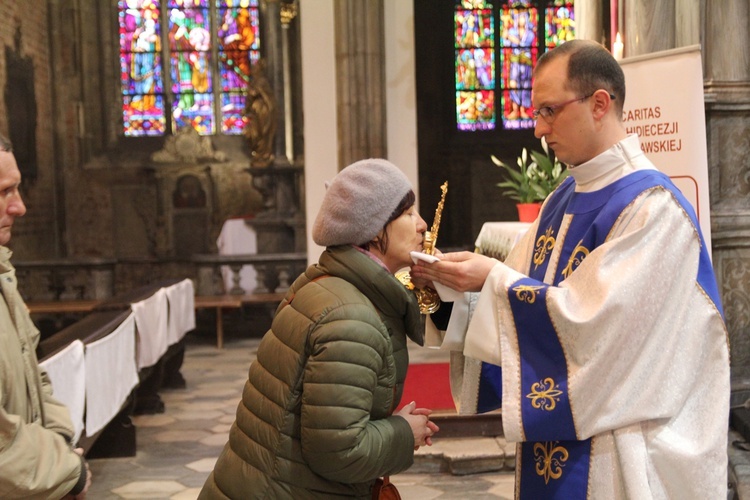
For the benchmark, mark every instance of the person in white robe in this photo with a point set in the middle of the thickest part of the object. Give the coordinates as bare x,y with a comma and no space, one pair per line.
602,335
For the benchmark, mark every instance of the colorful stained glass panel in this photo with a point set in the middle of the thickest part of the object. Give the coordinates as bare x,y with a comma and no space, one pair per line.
193,110
237,3
474,28
233,120
475,69
191,72
476,110
474,4
140,73
187,4
143,115
239,41
140,68
519,38
559,25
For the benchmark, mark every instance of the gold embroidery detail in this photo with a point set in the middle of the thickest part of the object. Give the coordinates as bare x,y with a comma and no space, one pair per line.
527,293
545,394
576,258
549,460
543,247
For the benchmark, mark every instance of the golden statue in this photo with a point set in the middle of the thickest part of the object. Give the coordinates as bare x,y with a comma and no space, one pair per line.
428,298
260,110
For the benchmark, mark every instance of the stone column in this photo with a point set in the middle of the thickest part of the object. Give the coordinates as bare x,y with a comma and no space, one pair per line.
274,56
726,59
360,82
687,23
589,22
649,26
721,27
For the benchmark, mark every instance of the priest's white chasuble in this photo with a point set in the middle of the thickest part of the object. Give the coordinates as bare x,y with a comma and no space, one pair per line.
602,339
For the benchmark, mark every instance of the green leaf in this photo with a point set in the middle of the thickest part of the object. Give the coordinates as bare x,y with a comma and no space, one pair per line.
531,181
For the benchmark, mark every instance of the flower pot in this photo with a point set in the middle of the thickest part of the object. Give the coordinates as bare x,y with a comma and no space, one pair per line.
528,212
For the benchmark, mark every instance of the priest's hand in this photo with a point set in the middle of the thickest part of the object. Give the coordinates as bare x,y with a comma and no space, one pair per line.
461,271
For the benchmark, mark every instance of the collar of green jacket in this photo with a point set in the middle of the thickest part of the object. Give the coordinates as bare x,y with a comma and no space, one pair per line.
386,293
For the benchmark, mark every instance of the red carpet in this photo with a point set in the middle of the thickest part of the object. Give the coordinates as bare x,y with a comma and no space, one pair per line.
429,385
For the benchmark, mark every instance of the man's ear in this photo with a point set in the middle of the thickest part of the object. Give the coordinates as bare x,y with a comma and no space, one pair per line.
602,103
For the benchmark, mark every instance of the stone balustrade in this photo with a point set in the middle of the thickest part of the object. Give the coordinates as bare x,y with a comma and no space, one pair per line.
100,279
275,272
66,279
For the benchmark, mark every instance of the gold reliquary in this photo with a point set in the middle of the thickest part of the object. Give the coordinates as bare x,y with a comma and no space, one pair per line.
427,297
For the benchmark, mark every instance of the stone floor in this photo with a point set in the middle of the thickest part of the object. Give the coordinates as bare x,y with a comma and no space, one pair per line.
177,449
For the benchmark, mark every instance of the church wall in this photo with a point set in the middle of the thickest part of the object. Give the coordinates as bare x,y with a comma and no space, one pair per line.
92,193
118,200
27,92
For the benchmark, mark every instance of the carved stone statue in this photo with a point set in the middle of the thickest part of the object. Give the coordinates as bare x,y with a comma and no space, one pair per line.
260,110
187,146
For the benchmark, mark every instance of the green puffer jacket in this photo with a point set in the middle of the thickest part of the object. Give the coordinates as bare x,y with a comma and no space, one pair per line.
314,417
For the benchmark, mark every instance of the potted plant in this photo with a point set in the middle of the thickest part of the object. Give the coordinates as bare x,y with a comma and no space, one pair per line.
537,175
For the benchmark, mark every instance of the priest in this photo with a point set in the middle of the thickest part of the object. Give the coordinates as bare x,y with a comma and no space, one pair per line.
602,335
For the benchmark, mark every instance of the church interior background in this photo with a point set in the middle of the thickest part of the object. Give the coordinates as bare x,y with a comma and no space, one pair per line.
141,126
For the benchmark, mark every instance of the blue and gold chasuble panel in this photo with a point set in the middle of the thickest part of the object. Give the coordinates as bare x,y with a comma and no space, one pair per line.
553,462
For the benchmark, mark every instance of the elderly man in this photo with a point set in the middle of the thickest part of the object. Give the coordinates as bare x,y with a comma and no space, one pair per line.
36,457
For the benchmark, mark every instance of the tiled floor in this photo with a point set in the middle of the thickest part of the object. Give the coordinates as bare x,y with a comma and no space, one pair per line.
176,450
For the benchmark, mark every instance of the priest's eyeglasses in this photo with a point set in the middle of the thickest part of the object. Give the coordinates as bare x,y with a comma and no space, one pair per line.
548,112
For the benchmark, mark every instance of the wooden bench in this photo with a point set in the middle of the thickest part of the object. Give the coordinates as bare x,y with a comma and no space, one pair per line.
120,432
62,306
102,318
229,301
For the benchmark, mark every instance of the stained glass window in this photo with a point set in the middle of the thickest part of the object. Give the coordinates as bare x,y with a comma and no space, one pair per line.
507,36
196,75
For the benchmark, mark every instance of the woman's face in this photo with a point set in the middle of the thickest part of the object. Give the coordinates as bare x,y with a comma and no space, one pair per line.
404,236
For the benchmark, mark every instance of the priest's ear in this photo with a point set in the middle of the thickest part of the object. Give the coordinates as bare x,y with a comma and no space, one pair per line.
603,103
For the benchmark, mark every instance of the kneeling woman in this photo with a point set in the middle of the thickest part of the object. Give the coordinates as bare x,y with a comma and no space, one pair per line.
316,418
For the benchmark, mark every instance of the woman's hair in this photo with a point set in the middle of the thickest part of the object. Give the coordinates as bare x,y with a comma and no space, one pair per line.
382,243
5,144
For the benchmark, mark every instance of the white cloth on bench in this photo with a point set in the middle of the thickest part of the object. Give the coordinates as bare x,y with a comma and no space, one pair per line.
111,374
67,373
151,328
181,298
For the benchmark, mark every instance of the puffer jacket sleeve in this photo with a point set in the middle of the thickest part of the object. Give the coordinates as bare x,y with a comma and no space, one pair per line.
340,441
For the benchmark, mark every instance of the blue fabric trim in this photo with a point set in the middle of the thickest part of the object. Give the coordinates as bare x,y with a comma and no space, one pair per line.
545,404
490,388
572,484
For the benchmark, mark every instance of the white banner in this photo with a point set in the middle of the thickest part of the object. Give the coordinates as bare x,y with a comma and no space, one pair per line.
664,106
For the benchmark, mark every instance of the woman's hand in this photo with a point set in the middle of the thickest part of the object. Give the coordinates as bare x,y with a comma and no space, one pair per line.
421,426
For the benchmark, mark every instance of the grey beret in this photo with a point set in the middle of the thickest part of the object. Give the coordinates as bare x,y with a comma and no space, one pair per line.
358,202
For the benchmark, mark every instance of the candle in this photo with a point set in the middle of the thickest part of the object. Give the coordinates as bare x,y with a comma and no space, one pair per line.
618,47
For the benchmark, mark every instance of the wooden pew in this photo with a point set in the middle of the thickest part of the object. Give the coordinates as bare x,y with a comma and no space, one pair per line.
62,306
118,437
120,431
166,372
